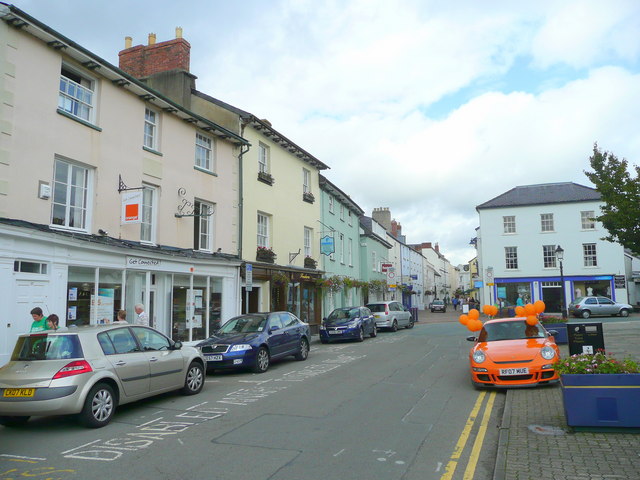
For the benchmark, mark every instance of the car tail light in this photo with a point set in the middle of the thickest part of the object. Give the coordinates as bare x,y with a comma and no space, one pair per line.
74,368
386,309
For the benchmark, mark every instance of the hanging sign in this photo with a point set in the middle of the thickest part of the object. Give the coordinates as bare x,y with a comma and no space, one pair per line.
386,267
327,245
131,207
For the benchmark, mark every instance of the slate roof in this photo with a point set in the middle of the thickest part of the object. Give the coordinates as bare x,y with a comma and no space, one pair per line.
542,194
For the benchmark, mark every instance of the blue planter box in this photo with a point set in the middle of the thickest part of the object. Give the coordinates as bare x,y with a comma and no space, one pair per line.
601,400
561,328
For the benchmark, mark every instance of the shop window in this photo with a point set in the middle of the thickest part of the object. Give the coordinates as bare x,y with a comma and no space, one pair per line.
30,267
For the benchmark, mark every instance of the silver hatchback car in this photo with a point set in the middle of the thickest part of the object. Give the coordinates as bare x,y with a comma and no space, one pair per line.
391,314
586,307
90,370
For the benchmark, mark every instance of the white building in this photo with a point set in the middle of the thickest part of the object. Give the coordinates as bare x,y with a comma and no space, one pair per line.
518,239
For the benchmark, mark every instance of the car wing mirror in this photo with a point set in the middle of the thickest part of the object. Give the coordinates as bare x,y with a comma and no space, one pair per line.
552,333
471,338
177,345
273,329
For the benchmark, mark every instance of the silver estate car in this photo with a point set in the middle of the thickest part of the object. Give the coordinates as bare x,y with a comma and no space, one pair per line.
391,315
91,370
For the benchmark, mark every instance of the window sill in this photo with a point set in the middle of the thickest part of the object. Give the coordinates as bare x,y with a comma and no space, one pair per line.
62,228
79,120
265,178
204,170
151,150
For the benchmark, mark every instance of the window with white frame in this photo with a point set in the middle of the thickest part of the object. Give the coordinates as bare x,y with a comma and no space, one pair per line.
587,218
77,94
71,194
23,266
148,224
350,252
150,129
511,258
331,204
205,152
308,235
589,253
203,226
342,248
546,222
349,218
263,230
549,256
263,158
509,224
342,212
306,181
374,262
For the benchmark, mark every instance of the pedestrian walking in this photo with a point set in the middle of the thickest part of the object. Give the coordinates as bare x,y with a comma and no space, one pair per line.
143,318
39,323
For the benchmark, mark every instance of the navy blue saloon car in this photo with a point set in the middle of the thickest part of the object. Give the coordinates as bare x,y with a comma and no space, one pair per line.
253,340
348,323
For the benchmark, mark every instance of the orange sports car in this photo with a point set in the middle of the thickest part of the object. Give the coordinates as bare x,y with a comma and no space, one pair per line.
510,353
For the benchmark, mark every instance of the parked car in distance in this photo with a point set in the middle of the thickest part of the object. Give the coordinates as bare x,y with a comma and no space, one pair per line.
254,340
348,323
90,370
391,315
438,306
510,353
585,307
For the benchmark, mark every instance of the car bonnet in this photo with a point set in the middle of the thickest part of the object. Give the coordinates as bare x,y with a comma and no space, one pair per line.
513,350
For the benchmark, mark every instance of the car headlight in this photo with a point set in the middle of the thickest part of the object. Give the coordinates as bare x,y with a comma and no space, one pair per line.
547,353
478,356
353,324
240,348
323,326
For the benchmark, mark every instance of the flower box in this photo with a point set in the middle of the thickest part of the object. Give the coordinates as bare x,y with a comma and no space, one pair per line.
601,400
308,197
265,255
310,262
266,178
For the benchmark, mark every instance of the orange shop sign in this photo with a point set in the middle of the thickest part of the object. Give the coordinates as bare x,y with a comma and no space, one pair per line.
131,207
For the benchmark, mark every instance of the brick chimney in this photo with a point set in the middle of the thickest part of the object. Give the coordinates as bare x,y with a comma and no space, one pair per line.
396,229
143,61
382,215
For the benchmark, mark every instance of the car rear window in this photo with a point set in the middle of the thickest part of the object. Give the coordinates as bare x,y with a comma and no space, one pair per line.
376,307
43,346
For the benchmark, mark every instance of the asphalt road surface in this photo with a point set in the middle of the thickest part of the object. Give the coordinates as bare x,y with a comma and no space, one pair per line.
399,406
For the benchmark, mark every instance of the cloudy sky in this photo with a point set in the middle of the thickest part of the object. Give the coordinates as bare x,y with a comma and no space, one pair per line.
426,107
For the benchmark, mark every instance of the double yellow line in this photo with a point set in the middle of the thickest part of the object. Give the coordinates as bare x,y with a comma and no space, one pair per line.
464,436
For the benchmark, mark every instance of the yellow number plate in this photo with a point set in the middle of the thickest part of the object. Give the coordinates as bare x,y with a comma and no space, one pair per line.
19,392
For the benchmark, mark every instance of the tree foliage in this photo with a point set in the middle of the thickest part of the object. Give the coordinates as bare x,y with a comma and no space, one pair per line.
620,193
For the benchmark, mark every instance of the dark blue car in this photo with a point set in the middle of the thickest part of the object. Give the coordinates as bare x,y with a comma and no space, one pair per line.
348,323
253,340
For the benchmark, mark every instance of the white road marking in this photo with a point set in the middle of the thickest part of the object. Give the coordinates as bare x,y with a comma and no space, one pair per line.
20,457
336,454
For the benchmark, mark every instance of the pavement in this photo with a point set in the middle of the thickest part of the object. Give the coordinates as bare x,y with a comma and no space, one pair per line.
535,441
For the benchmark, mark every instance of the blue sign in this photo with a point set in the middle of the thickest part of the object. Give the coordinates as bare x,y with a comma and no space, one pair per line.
327,245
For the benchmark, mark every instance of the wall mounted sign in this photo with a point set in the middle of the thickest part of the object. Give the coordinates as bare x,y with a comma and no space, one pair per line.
327,245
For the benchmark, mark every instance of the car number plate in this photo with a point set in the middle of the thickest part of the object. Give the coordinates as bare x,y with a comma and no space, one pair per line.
19,392
334,332
213,358
514,371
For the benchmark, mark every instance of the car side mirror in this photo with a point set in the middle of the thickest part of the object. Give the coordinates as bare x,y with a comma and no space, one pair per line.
273,329
471,339
177,345
324,319
552,333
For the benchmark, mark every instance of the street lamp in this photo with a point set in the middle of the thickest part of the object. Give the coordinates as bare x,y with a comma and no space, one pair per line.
560,257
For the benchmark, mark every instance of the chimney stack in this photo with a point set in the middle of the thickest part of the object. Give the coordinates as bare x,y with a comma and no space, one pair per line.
152,39
382,215
142,61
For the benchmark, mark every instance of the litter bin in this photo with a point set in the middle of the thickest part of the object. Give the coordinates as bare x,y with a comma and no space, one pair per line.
414,313
585,338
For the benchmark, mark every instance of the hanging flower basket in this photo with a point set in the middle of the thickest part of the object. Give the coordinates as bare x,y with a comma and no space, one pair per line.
264,254
310,262
279,278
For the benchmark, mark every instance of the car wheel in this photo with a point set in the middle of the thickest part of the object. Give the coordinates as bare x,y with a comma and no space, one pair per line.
411,323
13,421
432,310
322,340
360,335
304,350
374,331
394,326
262,361
586,314
624,312
194,381
99,406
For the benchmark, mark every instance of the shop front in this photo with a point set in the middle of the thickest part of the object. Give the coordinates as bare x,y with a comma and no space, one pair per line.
87,279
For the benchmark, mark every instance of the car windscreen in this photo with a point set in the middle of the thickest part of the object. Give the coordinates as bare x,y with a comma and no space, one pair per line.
244,324
344,313
376,307
438,302
43,346
514,330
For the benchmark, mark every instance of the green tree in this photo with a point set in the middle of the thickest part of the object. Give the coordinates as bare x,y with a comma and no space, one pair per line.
620,192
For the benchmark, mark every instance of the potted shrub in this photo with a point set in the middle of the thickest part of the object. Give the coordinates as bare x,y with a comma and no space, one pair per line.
559,324
600,391
265,254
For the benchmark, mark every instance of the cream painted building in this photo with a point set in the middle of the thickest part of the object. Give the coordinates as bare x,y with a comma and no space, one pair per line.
79,136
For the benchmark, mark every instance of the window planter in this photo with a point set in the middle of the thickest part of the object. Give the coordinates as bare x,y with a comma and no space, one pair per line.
265,177
308,197
265,255
310,262
601,400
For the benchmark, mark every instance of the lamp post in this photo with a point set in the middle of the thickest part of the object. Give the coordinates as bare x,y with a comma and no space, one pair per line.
560,257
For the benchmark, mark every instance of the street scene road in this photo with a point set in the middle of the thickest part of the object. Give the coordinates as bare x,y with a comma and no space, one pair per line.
396,406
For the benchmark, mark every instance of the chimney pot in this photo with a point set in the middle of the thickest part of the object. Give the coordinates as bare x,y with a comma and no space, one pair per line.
128,41
152,39
178,32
